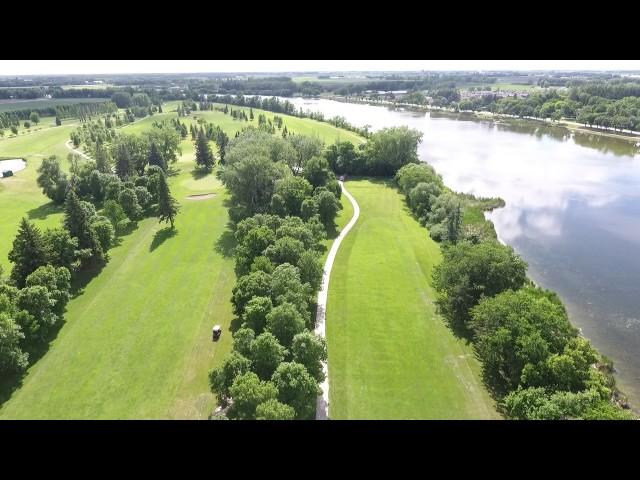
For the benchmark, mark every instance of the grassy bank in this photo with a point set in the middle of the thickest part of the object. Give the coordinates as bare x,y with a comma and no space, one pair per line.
390,355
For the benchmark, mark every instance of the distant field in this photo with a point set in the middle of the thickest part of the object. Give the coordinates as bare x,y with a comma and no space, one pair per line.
89,87
510,87
12,104
332,80
391,356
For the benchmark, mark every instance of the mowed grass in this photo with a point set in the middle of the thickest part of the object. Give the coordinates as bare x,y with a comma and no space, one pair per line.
302,126
136,342
20,195
390,355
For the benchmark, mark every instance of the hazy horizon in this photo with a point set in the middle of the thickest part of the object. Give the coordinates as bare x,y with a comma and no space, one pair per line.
140,67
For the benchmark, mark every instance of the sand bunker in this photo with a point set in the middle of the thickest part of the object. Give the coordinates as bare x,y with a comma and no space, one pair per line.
201,196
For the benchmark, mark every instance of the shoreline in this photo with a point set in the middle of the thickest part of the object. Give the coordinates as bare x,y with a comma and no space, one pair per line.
496,117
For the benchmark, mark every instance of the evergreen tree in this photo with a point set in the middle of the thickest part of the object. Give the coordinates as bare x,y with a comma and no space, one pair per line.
204,155
123,161
167,205
28,252
103,160
454,225
78,222
251,114
159,108
285,132
155,157
58,121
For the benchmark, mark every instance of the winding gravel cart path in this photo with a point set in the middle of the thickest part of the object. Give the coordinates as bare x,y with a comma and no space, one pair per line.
322,408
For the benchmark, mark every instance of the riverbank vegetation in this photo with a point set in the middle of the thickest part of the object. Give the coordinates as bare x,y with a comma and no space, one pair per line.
533,360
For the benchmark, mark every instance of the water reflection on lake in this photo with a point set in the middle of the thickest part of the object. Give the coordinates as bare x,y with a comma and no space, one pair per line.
572,210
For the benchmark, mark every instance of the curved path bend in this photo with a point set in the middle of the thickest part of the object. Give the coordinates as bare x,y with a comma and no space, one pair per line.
322,406
70,147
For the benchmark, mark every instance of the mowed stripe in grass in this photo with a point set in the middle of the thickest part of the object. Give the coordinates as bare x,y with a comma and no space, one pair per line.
136,343
390,355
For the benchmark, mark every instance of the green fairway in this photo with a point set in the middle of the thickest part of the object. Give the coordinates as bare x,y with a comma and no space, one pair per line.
303,126
20,195
136,343
137,340
390,355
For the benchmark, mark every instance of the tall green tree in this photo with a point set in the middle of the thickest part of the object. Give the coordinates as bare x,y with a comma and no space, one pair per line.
155,158
275,410
77,220
103,159
297,388
248,391
167,205
28,252
266,353
468,272
204,155
12,358
52,179
115,213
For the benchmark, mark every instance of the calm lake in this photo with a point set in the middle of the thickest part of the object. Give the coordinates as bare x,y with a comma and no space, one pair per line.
572,211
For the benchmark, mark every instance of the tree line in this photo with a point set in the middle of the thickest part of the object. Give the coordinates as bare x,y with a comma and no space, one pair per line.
284,200
81,111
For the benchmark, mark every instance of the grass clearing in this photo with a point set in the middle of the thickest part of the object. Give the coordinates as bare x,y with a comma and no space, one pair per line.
390,355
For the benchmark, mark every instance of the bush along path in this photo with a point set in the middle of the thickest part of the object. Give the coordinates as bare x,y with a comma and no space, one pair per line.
322,409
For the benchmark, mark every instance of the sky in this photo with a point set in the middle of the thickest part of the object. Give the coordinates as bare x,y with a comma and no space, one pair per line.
48,67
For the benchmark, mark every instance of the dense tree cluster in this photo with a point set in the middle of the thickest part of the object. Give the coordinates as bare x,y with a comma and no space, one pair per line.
281,220
532,357
33,299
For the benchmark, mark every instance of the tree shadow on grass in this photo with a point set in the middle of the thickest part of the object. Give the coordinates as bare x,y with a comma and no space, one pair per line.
161,236
226,243
43,211
332,231
235,325
82,277
198,173
172,171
